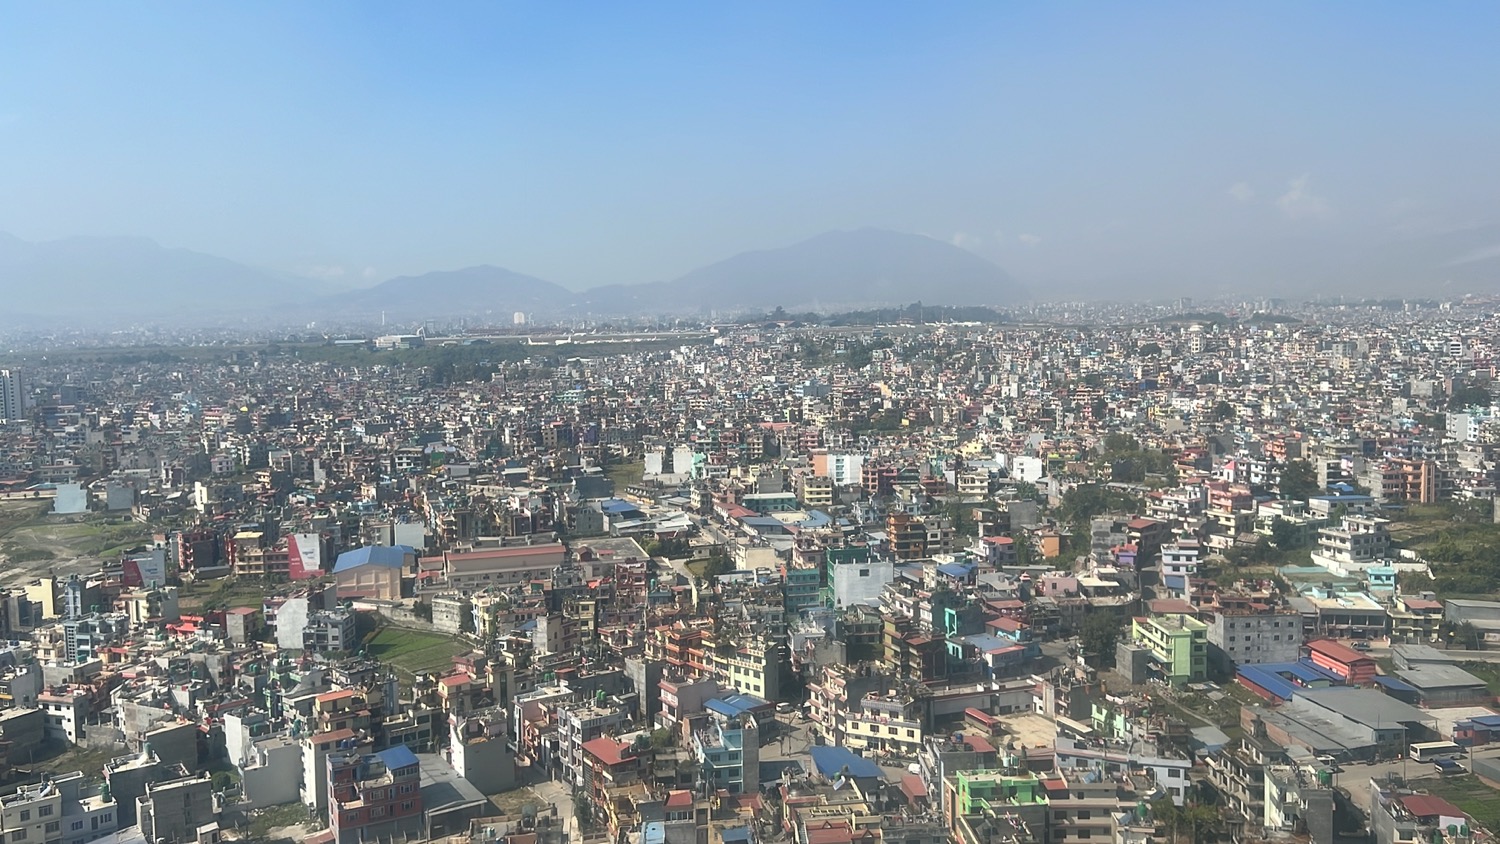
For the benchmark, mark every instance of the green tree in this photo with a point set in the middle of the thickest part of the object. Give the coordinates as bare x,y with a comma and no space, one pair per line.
1099,635
1224,411
1285,534
1298,480
718,563
1467,397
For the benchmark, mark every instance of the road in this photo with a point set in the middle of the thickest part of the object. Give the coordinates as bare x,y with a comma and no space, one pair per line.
1356,777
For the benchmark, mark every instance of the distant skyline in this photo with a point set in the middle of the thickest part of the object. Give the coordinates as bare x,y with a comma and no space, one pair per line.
1091,149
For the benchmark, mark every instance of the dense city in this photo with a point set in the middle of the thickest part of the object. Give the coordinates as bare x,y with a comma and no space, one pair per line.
1221,572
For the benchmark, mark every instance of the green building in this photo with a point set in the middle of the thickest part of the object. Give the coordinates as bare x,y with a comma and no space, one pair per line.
1178,645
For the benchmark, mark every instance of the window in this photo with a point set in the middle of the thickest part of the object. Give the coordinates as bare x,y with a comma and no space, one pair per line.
77,826
25,815
44,811
54,826
1174,774
18,835
109,816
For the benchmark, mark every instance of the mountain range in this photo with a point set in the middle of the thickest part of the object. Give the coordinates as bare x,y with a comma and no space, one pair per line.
111,277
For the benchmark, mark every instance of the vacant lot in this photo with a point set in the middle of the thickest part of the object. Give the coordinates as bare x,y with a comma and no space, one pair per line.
414,651
33,542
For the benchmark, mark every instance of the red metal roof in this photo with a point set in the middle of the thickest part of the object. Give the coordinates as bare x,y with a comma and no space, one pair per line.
1334,650
1427,806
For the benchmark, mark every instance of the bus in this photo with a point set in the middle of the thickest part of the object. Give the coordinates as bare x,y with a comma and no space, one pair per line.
1431,751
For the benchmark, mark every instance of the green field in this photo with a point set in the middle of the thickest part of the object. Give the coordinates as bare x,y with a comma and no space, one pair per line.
414,651
1467,793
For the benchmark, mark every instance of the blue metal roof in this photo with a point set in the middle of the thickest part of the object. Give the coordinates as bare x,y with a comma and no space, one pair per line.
616,505
1394,684
831,760
399,756
393,556
1277,677
955,569
720,707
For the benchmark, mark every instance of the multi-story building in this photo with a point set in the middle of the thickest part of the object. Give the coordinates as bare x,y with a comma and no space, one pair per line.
728,752
370,794
172,810
33,813
581,723
1415,620
1355,545
329,630
1255,633
885,723
12,395
750,667
1178,646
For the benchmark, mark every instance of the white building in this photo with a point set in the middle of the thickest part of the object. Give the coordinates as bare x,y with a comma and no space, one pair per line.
12,395
860,582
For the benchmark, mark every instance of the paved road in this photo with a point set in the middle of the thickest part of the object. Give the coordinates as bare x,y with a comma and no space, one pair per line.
1356,777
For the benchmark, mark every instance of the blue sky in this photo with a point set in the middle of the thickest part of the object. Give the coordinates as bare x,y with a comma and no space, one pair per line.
1172,146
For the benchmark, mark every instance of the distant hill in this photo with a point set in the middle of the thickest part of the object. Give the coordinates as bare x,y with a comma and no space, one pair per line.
835,271
495,291
103,277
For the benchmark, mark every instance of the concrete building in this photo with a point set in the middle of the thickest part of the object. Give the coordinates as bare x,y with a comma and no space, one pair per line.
12,395
373,572
1300,797
1255,635
1178,646
171,811
479,751
373,794
483,567
66,712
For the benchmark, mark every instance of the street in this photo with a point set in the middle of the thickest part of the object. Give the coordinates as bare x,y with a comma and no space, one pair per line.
1356,777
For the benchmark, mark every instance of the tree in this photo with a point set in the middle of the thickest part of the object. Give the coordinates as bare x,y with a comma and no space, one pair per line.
1466,397
718,563
1099,635
1298,480
1224,411
1285,534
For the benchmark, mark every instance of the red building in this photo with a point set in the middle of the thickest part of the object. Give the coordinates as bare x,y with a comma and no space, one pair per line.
1355,668
370,794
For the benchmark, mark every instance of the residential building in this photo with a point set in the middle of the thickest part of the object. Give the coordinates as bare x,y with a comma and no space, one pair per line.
1178,645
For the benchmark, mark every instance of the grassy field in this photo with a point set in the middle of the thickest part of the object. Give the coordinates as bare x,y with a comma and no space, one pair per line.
1489,672
224,592
414,651
76,758
625,474
1467,793
33,542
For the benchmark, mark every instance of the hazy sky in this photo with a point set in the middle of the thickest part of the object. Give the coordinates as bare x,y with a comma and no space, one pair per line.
1181,145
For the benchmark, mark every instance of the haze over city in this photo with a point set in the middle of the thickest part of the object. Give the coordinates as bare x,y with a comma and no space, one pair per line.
1091,150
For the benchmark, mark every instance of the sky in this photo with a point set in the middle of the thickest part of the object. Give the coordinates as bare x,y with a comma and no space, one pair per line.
1089,148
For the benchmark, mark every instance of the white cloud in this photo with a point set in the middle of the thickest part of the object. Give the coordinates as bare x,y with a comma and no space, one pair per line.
1029,239
1300,203
964,240
1241,192
368,272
